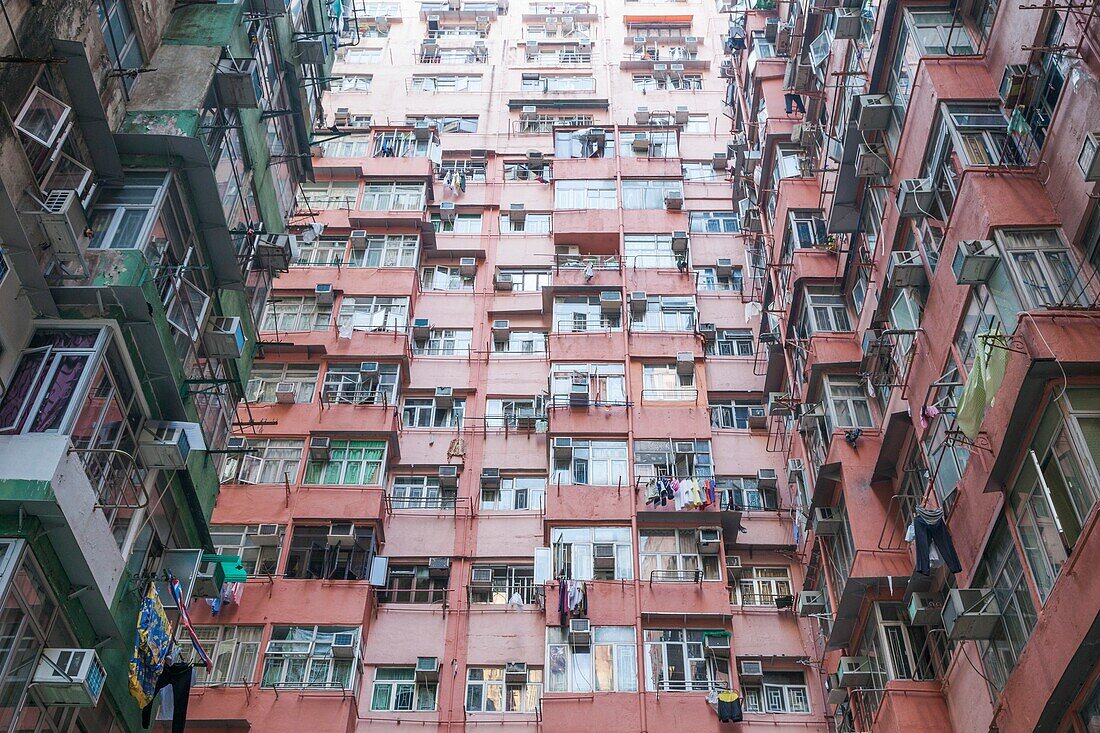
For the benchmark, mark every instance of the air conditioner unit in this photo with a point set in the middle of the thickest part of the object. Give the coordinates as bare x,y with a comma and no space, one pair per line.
358,238
779,404
163,446
64,223
580,632
515,672
368,367
68,678
342,116
639,301
685,363
277,251
849,23
421,328
1015,85
640,143
683,446
310,51
872,160
719,162
534,156
467,266
639,41
448,476
578,394
975,261
224,338
853,672
427,669
971,613
603,556
517,212
827,522
810,602
717,645
324,293
236,444
341,534
926,609
641,115
758,417
680,115
490,478
237,83
319,448
798,76
771,27
752,159
766,478
266,535
795,466
562,446
501,330
915,196
751,669
423,129
874,112
447,211
660,71
709,541
286,393
481,577
708,331
733,569
674,201
679,241
444,397
343,645
503,281
529,112
611,301
783,39
1088,160
439,567
691,43
834,693
433,21
750,221
906,269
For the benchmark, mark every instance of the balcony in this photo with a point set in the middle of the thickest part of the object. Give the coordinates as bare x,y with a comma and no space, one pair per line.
579,11
598,229
610,602
455,10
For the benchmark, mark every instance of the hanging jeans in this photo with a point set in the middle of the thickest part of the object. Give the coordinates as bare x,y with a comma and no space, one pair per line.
794,100
928,528
179,677
730,712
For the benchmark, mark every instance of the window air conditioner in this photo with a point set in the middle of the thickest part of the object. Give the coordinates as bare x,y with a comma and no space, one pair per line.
641,116
517,213
427,669
854,672
872,160
236,444
709,540
827,522
563,446
1015,85
580,632
771,27
975,261
503,281
266,535
515,672
423,129
915,196
529,112
224,338
448,476
779,404
810,602
447,211
766,478
849,24
467,266
733,569
1088,160
751,669
368,367
720,161
906,269
685,363
578,394
319,448
679,241
681,115
64,224
421,328
490,478
324,293
640,143
341,534
310,51
717,645
481,577
163,446
674,201
708,331
971,613
794,467
874,112
639,301
237,83
286,393
501,330
343,645
611,301
926,609
444,397
68,678
439,567
758,417
603,556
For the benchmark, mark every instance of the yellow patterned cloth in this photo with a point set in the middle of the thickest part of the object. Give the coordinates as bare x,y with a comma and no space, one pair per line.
152,641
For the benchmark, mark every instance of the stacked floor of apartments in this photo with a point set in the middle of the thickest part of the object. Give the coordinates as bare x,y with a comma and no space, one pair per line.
627,352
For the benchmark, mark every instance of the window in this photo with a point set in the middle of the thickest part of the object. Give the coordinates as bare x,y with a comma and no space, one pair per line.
363,56
447,124
426,413
414,584
264,378
521,342
350,146
702,172
714,222
577,314
295,313
446,83
848,403
515,494
527,281
673,554
444,342
267,461
233,649
122,215
665,313
762,48
328,195
392,197
530,224
591,463
585,143
355,82
1051,511
513,413
677,458
473,170
542,124
420,492
675,661
445,277
708,279
663,382
661,143
1000,570
650,250
458,224
824,311
649,194
1044,271
584,195
301,656
779,692
349,384
402,144
732,414
606,382
558,83
610,664
396,688
311,557
321,253
488,692
505,582
744,493
592,553
981,134
732,342
120,36
698,124
373,313
538,172
350,463
760,586
939,33
805,229
236,539
388,250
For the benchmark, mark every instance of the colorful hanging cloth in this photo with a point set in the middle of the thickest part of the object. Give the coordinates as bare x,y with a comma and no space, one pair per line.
152,641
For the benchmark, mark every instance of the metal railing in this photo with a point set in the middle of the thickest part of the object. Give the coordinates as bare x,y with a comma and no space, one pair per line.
676,576
683,394
115,477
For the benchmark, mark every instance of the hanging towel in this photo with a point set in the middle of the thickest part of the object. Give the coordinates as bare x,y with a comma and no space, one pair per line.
997,348
972,404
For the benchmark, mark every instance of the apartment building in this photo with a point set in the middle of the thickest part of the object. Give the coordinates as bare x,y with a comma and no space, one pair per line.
515,361
149,158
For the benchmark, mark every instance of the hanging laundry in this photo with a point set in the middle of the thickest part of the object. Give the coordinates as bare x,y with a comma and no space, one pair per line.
152,640
179,677
729,707
971,408
996,363
928,413
563,602
652,493
930,528
185,620
461,182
